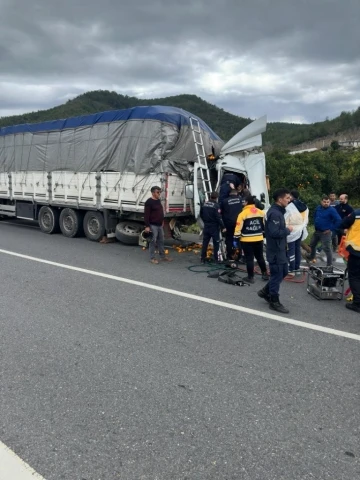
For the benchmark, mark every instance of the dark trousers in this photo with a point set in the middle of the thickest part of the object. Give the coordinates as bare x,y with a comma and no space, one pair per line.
325,239
353,266
294,254
334,240
229,237
251,250
339,234
210,232
277,273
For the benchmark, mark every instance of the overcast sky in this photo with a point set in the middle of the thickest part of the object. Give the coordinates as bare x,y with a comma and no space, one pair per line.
294,60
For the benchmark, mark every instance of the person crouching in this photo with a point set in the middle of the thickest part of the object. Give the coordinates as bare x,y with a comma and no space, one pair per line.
249,230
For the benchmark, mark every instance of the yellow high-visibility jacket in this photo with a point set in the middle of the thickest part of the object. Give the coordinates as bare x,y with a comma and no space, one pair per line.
250,224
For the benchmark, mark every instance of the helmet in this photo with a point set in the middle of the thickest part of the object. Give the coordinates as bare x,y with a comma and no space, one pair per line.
146,236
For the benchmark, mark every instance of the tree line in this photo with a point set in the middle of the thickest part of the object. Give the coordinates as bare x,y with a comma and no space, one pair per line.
225,124
316,173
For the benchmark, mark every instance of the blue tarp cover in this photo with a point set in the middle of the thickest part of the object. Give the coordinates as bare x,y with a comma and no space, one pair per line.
173,115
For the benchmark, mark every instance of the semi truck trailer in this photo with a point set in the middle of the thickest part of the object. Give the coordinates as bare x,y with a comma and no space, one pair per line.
91,175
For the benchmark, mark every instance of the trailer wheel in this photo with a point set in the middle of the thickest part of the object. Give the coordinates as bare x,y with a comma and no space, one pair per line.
94,226
128,232
71,224
48,219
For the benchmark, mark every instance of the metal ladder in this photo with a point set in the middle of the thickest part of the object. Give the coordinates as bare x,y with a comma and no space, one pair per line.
201,156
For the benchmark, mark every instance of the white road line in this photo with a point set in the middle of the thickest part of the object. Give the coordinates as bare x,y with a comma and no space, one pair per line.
13,468
251,311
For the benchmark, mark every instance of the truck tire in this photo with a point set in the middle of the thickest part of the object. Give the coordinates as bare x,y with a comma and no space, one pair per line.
128,232
48,219
94,226
71,223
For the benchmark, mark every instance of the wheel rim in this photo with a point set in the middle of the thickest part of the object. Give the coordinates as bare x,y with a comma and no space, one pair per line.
93,226
131,230
47,220
68,223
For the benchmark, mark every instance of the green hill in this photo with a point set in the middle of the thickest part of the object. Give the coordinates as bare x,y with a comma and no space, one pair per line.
223,123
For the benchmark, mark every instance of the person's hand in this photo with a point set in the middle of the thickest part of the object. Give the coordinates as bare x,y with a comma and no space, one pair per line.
147,229
223,230
326,231
290,227
232,186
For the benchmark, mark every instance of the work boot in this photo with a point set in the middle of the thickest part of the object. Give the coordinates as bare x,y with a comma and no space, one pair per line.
353,307
276,305
265,276
264,293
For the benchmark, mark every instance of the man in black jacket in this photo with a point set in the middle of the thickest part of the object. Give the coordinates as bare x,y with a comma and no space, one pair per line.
229,181
344,210
230,209
210,215
275,234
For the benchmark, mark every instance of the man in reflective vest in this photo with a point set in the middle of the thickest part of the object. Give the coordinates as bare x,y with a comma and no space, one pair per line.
249,230
352,242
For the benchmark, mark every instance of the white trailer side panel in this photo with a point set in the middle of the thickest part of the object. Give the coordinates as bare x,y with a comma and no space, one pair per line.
4,185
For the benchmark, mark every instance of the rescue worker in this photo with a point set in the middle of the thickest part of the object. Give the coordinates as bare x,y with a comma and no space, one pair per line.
275,234
258,204
210,215
230,209
249,230
229,181
352,243
299,219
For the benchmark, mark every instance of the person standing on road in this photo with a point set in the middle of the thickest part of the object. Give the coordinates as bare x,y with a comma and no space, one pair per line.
352,243
249,231
326,220
343,209
210,215
334,202
275,234
230,209
297,215
154,223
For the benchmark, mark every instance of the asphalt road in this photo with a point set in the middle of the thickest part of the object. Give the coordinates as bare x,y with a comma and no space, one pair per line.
105,380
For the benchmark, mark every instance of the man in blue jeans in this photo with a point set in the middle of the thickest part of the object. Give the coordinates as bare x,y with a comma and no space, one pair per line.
276,245
326,220
154,221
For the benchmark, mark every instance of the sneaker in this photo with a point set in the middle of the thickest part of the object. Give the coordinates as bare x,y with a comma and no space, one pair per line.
298,274
291,274
154,261
278,307
249,280
265,277
354,308
167,259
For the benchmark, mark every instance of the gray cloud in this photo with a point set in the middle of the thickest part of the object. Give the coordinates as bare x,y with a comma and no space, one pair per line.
291,59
